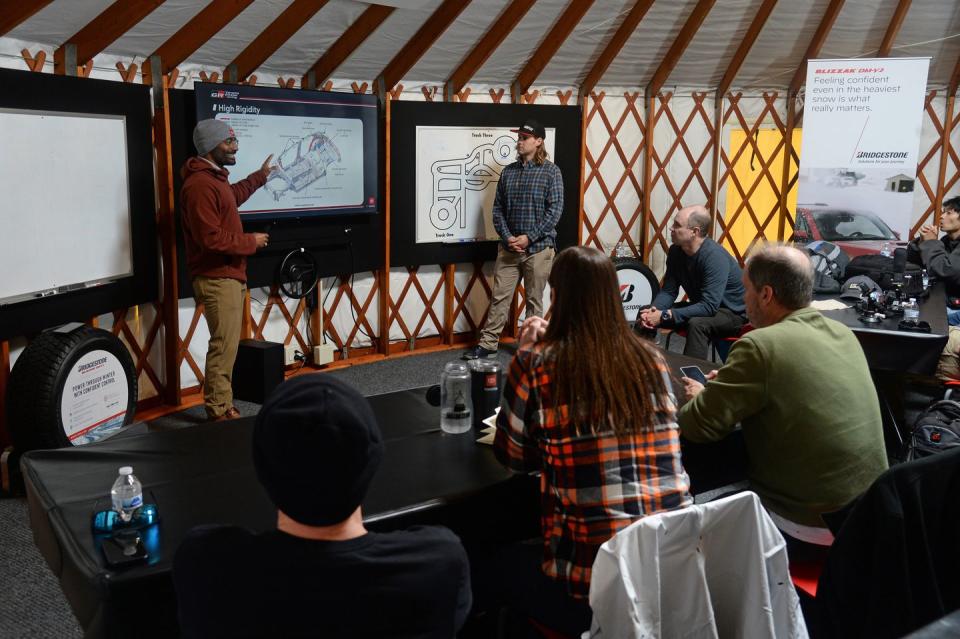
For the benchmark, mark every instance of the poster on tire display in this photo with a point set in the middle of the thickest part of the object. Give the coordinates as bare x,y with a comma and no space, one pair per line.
94,400
858,159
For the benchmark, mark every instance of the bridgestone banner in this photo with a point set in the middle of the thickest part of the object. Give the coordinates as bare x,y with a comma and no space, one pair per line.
858,158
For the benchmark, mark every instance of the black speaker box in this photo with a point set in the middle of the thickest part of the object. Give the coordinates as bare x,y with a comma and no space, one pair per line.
258,370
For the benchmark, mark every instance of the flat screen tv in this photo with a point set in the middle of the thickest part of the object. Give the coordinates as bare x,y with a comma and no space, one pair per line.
324,146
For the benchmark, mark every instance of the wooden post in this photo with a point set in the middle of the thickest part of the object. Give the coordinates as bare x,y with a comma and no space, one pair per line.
167,225
944,157
385,272
945,140
787,161
449,286
717,143
581,214
651,101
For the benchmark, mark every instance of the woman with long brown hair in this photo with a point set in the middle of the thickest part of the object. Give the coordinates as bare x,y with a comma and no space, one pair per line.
590,405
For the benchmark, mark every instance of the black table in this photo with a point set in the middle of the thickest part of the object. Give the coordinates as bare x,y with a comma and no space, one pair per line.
892,354
889,349
204,474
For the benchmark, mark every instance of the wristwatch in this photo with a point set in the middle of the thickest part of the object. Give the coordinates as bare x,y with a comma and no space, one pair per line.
666,316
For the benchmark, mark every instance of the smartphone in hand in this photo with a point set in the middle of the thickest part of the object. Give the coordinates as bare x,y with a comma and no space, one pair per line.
694,373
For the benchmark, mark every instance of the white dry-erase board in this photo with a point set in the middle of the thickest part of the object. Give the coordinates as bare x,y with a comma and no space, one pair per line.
64,202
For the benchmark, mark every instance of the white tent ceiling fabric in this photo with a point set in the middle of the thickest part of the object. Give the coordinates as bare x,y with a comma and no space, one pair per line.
931,28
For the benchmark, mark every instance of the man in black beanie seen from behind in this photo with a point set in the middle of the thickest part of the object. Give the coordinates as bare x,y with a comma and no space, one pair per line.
320,573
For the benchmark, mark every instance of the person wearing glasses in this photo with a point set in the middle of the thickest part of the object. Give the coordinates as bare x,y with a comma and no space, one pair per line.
217,250
711,279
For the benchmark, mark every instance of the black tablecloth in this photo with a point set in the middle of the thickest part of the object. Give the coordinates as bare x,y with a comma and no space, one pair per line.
204,474
889,349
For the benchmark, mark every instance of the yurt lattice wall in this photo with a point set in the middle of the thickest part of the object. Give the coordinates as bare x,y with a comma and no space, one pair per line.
647,150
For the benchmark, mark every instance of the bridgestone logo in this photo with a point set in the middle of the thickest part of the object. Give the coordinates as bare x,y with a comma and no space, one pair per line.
85,367
882,154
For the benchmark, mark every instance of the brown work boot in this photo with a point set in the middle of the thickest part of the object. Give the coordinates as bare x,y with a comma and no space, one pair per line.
230,413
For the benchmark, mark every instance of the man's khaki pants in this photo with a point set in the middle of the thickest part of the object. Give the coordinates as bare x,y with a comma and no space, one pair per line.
535,269
222,300
949,366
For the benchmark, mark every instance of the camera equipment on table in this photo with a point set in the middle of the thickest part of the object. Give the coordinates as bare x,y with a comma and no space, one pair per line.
875,306
872,303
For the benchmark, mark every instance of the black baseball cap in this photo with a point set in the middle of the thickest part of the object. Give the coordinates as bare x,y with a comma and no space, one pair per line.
531,127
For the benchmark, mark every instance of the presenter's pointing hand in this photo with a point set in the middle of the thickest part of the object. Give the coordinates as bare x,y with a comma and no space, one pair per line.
268,166
262,239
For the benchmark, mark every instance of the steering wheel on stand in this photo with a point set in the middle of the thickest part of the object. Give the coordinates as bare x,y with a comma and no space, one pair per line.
297,276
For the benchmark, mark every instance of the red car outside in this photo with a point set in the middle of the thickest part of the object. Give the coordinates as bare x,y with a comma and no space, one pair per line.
855,232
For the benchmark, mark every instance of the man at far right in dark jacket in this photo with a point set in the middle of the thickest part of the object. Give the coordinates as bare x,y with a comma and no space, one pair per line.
941,257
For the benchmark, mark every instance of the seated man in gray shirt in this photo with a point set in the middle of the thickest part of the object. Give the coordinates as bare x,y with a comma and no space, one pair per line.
711,278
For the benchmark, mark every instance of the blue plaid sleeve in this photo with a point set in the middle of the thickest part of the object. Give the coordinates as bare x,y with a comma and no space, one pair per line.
553,207
499,221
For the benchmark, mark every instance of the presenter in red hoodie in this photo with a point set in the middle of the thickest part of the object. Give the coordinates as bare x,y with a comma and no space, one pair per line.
216,249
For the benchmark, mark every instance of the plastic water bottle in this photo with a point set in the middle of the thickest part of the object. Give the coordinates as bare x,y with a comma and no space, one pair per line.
926,279
911,311
127,494
886,250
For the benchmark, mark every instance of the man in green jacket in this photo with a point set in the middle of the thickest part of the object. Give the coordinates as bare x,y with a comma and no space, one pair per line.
800,387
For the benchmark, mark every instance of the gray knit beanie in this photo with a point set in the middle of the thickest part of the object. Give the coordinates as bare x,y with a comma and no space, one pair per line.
209,133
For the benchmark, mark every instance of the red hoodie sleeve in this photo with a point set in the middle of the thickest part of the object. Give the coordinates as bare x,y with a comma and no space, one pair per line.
245,187
203,218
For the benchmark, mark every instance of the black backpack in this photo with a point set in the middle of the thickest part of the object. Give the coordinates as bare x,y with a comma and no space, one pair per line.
829,265
879,268
936,430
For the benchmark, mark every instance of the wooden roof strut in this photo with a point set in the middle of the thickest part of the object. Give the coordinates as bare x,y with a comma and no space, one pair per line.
562,28
272,38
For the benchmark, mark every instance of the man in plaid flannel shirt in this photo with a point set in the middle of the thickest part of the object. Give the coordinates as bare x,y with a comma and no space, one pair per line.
526,210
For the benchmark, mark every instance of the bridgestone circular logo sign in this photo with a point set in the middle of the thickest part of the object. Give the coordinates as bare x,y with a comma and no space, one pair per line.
635,291
94,400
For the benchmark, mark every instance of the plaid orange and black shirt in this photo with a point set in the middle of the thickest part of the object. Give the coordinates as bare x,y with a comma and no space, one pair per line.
591,485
